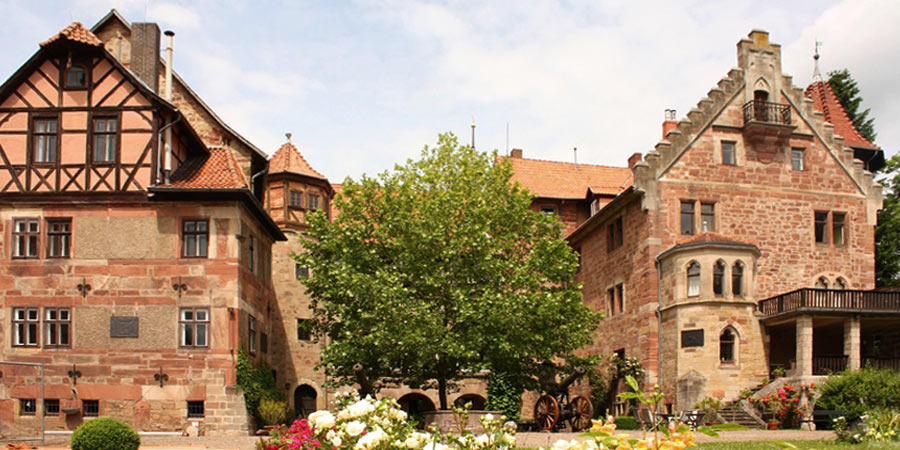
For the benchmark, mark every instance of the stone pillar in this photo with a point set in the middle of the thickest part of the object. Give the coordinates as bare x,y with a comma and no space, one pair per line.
804,351
851,343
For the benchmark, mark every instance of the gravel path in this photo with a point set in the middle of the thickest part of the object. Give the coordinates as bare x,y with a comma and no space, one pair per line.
525,440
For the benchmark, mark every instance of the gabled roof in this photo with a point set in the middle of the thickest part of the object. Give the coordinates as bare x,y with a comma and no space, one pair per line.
75,32
564,180
218,170
827,102
288,159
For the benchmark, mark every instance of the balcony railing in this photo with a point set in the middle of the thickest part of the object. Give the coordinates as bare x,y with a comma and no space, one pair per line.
831,300
882,363
767,112
827,364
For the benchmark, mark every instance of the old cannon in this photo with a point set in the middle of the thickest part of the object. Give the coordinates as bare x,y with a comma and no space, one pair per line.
365,387
554,408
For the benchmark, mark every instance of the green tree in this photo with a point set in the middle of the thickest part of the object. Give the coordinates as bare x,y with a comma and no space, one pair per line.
439,269
847,92
887,231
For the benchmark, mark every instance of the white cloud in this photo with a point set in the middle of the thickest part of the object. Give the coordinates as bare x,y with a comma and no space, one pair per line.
175,15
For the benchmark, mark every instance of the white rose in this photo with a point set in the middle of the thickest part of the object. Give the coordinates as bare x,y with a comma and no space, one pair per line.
371,439
355,427
322,420
482,440
360,408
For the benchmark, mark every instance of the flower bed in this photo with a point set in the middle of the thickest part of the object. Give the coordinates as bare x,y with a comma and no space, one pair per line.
785,404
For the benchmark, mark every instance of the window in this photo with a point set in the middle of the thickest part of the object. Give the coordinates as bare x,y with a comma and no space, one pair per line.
76,77
304,327
837,227
687,217
59,237
313,202
25,323
57,327
45,140
195,235
296,199
821,226
51,407
90,408
105,139
707,217
726,346
737,279
26,233
194,325
797,159
611,293
620,297
615,237
251,326
728,153
840,284
251,263
693,279
27,407
822,283
264,342
719,278
195,410
548,210
300,271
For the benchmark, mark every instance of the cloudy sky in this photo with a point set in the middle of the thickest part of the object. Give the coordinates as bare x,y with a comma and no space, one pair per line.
365,84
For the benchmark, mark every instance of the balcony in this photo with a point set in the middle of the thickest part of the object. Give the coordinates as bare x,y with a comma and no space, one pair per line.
831,301
767,123
828,364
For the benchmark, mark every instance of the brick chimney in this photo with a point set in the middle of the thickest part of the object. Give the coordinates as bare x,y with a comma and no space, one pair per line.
516,153
145,53
669,123
634,159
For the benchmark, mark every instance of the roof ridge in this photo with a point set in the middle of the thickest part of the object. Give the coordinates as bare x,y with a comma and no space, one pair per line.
823,96
75,32
566,162
289,159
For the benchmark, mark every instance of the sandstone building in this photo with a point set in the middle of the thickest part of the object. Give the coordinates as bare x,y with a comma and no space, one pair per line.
145,242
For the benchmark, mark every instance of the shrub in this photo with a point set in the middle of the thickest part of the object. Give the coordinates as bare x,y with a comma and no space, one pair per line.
105,433
504,394
272,412
256,381
626,423
876,425
854,393
785,404
710,407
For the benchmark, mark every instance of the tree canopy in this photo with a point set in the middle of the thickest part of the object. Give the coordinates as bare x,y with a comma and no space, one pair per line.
439,269
847,92
887,231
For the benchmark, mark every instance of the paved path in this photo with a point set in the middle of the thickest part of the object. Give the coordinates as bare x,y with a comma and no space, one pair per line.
524,440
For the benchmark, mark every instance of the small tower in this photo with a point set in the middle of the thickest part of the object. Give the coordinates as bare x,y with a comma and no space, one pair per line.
294,189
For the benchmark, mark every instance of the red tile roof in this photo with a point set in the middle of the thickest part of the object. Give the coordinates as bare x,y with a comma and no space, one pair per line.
557,179
289,159
75,32
712,238
827,102
219,170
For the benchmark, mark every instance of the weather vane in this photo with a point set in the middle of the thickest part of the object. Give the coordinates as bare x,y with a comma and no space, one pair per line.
817,76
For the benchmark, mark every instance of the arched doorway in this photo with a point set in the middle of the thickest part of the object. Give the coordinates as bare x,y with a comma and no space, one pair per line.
304,400
476,400
416,405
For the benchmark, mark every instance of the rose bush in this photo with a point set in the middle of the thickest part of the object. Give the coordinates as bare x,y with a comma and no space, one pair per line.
368,424
785,404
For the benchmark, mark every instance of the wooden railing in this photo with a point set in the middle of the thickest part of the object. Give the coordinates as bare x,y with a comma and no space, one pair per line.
767,112
882,363
831,300
827,364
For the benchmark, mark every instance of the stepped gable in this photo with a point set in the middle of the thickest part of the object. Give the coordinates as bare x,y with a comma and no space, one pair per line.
564,180
288,159
218,170
827,102
75,32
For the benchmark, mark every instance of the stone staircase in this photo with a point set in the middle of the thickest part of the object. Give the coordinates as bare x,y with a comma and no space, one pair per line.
734,413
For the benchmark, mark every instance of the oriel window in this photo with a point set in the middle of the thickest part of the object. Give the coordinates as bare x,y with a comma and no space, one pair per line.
296,199
693,280
737,279
105,139
313,202
719,278
195,235
59,237
45,140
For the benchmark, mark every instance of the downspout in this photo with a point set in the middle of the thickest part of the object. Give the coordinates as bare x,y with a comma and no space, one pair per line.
253,178
658,325
168,130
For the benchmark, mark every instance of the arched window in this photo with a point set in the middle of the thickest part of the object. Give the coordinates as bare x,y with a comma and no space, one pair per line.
726,346
76,77
737,279
693,279
840,284
719,278
822,283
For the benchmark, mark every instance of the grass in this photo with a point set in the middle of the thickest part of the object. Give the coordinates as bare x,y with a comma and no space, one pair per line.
803,445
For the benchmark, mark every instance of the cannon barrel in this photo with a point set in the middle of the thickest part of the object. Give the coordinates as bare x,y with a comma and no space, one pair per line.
564,386
365,387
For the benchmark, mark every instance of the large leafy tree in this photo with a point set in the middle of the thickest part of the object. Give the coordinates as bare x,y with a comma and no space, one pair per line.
439,269
847,92
887,232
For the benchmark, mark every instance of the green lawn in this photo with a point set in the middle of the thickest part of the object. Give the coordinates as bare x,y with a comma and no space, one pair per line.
804,445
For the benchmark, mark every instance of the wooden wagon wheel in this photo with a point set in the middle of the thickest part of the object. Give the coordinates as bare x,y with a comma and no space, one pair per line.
546,413
581,413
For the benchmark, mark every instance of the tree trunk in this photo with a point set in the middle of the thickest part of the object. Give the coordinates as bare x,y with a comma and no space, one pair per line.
442,392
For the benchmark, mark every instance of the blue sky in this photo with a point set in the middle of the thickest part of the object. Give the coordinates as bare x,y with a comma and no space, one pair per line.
365,84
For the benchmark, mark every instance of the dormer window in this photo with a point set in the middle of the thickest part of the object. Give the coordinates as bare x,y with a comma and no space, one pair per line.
76,78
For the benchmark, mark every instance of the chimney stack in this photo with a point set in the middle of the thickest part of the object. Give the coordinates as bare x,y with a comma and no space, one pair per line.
145,53
669,123
516,153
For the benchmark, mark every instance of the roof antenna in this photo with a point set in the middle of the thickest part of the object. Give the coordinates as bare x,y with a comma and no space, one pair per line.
817,76
575,151
473,132
288,136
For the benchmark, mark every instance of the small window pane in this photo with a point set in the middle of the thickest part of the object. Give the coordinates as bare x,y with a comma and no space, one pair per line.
728,153
737,278
797,159
820,226
687,217
837,227
76,77
693,278
707,217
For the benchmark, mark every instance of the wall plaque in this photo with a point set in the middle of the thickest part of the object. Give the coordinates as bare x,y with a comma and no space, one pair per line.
692,338
123,327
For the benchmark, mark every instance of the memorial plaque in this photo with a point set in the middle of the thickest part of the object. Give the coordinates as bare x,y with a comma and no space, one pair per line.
692,338
123,327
